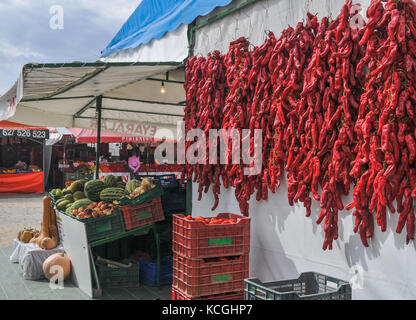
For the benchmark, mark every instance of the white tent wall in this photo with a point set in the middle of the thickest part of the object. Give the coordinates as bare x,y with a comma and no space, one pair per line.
173,46
284,242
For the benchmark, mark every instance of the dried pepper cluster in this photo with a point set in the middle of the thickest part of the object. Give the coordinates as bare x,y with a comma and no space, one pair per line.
335,105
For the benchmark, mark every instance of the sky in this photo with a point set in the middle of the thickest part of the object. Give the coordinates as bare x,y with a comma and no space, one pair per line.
34,31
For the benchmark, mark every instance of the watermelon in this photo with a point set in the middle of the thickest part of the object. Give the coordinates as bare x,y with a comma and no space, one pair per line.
93,188
112,194
110,181
80,203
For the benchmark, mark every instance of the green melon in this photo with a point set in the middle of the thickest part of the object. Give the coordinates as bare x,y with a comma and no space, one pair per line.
112,194
132,185
80,203
110,181
79,195
76,186
93,188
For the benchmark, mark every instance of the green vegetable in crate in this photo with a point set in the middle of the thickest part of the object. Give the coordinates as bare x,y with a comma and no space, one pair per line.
110,181
63,204
121,185
80,203
66,191
69,197
112,194
132,185
77,186
93,188
79,195
59,201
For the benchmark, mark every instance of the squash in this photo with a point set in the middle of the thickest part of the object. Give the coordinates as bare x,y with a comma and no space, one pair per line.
48,238
57,259
26,236
52,242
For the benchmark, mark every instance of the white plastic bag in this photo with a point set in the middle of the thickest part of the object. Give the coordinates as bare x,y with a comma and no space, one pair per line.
30,258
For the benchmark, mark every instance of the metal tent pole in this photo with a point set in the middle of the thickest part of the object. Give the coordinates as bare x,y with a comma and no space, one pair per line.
97,158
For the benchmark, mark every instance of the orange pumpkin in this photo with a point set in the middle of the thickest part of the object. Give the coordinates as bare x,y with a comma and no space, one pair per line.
60,260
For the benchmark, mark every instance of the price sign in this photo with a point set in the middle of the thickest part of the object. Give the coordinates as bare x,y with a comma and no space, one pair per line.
35,134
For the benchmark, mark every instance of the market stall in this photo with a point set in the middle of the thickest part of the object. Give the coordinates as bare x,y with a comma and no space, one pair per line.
122,98
22,158
284,244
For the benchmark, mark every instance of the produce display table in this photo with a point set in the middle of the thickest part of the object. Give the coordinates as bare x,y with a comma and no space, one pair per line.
73,235
30,182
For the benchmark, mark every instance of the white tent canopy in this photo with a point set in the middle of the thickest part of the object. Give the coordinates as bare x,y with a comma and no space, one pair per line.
65,95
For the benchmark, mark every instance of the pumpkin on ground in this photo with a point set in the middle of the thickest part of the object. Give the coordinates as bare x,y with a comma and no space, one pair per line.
59,260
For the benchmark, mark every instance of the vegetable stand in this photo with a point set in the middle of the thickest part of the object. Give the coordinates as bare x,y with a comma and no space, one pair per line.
73,236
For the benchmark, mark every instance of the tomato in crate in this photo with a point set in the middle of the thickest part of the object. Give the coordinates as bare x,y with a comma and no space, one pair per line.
207,276
226,234
142,214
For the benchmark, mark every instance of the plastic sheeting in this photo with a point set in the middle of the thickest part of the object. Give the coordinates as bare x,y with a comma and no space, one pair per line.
254,20
172,47
153,18
284,242
64,95
30,258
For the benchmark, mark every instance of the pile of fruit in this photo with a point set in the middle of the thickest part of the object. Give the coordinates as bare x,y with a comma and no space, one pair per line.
136,188
27,234
212,220
96,198
93,210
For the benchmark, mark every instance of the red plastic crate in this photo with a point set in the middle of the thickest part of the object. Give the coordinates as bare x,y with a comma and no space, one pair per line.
213,282
213,288
203,267
196,239
239,295
143,214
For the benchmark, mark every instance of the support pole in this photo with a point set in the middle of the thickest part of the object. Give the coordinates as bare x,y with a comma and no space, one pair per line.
44,167
97,158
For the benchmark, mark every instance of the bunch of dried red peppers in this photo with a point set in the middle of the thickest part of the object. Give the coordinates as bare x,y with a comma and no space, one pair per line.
335,104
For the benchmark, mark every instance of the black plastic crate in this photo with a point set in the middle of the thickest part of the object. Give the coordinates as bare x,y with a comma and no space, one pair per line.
174,202
168,181
119,277
309,286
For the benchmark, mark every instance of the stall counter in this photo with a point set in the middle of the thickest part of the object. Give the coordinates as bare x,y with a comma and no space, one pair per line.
15,183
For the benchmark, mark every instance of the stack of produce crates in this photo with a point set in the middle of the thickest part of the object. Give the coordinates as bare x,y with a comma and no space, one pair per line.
210,261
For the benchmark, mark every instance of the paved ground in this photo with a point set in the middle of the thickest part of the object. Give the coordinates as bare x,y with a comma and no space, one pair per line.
14,287
17,212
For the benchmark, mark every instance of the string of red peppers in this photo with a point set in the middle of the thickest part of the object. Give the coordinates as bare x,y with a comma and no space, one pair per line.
335,105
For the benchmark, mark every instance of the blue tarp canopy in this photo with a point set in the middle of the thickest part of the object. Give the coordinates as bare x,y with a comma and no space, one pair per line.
153,18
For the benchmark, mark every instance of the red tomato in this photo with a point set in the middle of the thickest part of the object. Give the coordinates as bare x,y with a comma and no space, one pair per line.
207,220
189,217
233,220
199,218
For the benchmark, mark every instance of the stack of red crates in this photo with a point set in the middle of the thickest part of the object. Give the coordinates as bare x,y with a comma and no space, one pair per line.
210,261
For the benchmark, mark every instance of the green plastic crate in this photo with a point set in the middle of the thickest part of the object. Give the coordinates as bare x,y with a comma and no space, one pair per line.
119,277
309,286
103,227
54,198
